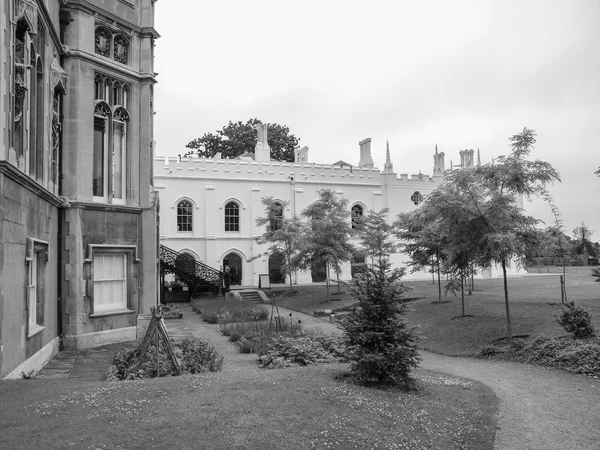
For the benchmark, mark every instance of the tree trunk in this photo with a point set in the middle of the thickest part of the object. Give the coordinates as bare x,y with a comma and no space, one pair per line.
439,280
508,321
327,277
462,292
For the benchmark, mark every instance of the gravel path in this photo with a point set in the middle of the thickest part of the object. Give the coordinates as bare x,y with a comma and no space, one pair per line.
539,408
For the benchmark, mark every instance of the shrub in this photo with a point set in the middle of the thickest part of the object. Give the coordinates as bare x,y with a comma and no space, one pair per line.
285,351
193,356
576,320
171,312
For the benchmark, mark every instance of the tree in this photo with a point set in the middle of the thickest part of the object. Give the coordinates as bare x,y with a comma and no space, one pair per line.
512,176
382,348
582,234
238,137
327,235
424,240
282,234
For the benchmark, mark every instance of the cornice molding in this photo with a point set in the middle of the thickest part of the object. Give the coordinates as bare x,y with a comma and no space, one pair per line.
107,64
107,207
19,177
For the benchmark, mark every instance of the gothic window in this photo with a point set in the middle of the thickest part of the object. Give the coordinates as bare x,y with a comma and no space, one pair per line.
232,217
103,40
357,216
277,219
111,140
121,49
416,198
184,216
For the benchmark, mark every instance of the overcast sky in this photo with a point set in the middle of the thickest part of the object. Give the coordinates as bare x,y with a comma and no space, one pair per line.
460,74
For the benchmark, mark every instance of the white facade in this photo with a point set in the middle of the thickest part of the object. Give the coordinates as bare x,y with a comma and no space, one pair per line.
209,184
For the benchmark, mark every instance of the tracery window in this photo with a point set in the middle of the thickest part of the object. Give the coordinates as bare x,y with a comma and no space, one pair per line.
357,213
121,49
416,198
111,138
232,217
184,216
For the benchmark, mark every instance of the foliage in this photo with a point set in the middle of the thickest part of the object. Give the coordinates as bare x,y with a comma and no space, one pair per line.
572,355
596,274
584,245
381,347
237,138
300,350
282,234
171,312
193,356
327,237
576,320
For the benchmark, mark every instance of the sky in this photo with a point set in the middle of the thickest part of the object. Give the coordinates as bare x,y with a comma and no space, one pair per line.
459,74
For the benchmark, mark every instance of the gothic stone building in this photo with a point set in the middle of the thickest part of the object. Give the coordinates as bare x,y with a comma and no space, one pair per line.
77,208
209,206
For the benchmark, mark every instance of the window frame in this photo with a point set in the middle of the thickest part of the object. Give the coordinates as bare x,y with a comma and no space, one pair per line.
231,220
416,198
129,252
190,215
354,218
36,259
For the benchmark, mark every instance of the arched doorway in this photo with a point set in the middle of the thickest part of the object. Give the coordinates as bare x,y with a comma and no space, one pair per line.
235,266
276,275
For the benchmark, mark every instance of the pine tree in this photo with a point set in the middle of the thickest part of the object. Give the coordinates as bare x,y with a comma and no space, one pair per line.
382,348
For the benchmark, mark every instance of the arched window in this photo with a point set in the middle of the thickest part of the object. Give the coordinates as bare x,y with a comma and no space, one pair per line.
121,49
277,219
357,216
416,198
232,217
184,216
111,138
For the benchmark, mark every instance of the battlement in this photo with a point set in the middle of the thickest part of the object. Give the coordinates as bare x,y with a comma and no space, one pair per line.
274,170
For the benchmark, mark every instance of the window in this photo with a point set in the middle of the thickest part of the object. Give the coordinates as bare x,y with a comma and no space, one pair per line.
184,216
232,217
357,216
416,198
110,282
277,219
36,272
111,133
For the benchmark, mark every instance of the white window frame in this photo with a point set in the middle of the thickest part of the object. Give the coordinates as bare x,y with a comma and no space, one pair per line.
118,279
32,250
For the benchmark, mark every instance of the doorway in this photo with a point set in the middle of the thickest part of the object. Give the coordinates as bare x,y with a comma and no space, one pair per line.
235,267
276,275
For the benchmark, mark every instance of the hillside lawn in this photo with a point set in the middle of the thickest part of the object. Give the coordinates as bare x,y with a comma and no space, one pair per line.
534,302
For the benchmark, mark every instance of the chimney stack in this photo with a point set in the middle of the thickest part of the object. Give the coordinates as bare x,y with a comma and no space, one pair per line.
301,155
262,151
365,154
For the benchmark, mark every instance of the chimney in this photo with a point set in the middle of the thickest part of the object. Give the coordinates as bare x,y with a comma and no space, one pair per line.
439,166
262,151
466,158
365,154
301,155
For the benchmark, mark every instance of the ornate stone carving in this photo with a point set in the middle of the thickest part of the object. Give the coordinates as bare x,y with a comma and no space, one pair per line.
102,109
59,77
103,37
121,48
121,114
27,9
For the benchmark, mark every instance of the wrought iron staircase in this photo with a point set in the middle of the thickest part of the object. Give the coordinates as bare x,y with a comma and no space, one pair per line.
198,276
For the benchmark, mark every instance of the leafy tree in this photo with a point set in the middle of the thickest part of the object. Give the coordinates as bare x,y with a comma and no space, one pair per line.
236,138
282,234
582,234
424,240
597,172
382,348
328,234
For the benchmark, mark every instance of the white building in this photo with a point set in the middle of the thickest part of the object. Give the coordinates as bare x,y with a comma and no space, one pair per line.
209,206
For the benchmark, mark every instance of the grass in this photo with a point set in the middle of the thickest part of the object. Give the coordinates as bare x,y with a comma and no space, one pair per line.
300,408
534,302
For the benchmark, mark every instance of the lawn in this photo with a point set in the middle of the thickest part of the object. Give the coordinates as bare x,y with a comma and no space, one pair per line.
298,408
534,301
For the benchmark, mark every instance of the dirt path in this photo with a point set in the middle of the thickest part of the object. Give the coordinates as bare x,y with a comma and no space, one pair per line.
539,408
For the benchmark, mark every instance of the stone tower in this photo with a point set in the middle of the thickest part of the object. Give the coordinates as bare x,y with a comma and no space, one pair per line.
365,154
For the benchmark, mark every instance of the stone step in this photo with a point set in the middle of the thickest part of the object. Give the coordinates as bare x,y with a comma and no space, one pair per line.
251,297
